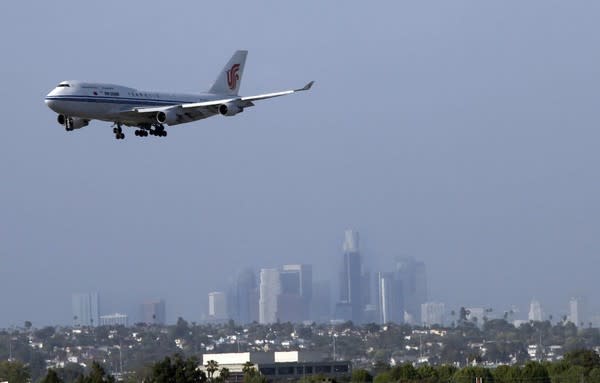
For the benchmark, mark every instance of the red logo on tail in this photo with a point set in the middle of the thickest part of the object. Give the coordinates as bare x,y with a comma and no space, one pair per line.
233,77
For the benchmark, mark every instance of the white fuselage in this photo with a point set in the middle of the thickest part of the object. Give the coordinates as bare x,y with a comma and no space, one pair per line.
108,102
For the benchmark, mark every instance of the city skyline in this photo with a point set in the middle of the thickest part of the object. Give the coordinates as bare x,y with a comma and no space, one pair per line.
477,157
285,294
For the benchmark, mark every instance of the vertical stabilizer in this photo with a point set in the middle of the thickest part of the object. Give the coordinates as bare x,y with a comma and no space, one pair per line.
230,78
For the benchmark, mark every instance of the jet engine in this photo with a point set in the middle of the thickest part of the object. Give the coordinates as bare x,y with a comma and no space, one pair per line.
230,109
72,123
168,116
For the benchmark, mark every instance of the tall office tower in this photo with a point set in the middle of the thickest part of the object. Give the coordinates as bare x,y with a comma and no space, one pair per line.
414,285
246,298
576,311
270,288
154,312
350,306
85,309
296,293
390,299
432,313
365,285
321,302
217,305
535,311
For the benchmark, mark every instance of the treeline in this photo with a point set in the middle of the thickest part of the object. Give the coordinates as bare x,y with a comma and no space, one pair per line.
580,366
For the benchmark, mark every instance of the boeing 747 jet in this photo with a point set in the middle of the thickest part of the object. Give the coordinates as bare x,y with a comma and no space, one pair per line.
77,103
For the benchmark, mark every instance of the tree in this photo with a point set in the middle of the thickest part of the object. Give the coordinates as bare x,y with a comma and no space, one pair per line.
97,374
176,370
224,374
404,372
384,377
13,372
587,359
51,377
427,374
248,368
361,376
211,367
468,375
507,374
70,372
535,372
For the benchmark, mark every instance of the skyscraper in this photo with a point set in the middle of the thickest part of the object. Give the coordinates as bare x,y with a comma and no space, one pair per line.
296,293
154,312
321,302
414,285
85,309
350,280
535,311
576,311
217,305
270,288
246,298
390,299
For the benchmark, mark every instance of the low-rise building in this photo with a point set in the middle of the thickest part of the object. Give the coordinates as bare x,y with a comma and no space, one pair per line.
278,365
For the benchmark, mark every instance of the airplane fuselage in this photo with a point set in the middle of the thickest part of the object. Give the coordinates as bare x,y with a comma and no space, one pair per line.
108,102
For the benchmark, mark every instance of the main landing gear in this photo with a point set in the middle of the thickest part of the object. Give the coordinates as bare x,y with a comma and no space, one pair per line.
143,130
157,130
118,131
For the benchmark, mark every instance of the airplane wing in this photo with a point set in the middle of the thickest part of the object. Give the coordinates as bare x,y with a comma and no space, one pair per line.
277,94
210,106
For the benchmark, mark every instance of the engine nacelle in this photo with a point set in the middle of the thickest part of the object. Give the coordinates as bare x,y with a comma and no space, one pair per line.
72,123
230,109
168,117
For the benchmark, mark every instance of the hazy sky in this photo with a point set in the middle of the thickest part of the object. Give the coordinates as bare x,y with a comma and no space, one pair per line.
463,133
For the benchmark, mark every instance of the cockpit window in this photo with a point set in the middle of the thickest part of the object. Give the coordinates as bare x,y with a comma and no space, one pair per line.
63,85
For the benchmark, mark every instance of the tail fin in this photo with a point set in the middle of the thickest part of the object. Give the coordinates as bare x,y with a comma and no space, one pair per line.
230,78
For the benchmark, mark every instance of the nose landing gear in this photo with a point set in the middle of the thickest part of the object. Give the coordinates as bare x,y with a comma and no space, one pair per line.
118,131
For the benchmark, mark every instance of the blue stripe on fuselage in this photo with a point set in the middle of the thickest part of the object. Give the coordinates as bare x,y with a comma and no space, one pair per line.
117,100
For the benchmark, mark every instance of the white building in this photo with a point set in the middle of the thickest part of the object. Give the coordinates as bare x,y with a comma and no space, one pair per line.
535,311
85,309
270,288
575,312
432,313
115,319
217,305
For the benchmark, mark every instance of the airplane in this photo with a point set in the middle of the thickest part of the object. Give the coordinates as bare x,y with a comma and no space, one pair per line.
77,103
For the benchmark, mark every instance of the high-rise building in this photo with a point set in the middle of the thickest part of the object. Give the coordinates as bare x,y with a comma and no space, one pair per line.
350,280
535,311
296,293
85,309
270,289
321,302
414,285
390,299
217,305
576,311
245,308
115,319
154,312
432,313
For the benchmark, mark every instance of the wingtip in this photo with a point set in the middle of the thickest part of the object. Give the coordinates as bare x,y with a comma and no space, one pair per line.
308,86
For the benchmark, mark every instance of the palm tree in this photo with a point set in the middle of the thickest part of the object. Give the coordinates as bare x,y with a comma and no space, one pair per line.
211,367
248,368
224,374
